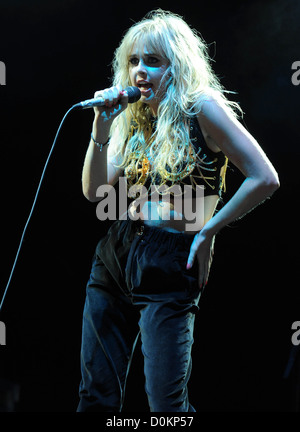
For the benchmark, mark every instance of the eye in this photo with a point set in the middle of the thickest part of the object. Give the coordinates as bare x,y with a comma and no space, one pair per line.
152,60
134,61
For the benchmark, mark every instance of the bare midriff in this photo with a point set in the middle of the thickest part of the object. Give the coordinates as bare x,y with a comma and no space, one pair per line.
190,216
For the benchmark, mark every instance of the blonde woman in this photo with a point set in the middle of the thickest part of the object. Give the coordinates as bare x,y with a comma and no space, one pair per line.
150,268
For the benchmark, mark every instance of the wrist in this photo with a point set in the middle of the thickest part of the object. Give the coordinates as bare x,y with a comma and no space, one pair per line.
102,120
100,132
209,230
100,145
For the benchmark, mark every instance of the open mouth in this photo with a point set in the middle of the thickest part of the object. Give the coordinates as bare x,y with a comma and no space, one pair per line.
144,86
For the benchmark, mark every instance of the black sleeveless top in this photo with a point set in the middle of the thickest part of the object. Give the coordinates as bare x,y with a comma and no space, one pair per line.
208,170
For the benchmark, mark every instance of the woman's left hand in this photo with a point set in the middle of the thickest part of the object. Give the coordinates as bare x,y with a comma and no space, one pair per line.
202,248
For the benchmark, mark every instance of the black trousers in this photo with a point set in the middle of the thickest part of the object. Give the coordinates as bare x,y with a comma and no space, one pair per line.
139,285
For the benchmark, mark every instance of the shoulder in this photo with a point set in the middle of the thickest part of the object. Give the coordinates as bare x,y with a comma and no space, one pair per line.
215,109
222,126
219,122
216,120
224,129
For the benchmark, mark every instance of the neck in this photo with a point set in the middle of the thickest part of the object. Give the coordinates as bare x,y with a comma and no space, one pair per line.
154,109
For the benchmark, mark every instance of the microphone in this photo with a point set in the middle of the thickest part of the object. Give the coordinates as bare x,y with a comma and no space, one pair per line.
134,95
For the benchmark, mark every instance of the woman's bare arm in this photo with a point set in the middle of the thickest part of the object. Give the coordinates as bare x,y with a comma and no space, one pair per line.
261,179
99,166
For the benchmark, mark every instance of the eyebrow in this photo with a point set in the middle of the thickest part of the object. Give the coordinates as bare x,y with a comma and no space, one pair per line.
147,55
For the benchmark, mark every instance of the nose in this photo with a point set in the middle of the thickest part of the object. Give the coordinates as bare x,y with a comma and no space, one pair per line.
141,68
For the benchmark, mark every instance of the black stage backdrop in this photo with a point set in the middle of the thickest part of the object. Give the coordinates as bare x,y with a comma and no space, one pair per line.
59,53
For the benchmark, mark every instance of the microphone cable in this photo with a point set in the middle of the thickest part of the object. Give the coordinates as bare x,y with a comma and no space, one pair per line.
134,95
34,203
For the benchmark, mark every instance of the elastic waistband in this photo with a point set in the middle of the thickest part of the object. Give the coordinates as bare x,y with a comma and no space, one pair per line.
128,229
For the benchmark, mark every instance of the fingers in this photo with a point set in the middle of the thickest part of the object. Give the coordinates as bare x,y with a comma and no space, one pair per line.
190,262
192,254
203,271
202,266
204,251
112,96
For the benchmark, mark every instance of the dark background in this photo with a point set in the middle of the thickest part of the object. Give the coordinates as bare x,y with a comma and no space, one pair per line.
59,53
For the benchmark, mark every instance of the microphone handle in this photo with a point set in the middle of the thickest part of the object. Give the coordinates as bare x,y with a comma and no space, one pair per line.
90,103
134,95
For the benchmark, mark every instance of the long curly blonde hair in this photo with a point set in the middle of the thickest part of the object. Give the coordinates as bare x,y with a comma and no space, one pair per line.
189,81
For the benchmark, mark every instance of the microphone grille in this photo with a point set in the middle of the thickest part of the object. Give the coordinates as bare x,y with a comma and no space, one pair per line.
134,94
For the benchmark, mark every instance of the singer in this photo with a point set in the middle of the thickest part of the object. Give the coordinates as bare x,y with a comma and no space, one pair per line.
148,273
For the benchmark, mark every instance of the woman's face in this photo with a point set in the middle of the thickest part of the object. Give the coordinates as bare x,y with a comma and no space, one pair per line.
146,70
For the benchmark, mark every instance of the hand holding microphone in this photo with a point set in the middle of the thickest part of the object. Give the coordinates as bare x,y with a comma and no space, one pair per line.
108,98
109,103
